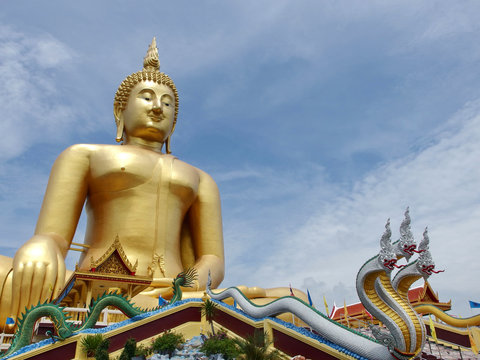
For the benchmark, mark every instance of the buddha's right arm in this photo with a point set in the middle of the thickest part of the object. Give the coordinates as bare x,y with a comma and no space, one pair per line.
39,265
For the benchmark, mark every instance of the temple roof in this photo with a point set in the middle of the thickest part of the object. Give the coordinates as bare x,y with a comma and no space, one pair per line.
419,295
114,261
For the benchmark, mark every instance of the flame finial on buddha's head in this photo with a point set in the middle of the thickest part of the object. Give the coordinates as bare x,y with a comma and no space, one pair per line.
151,61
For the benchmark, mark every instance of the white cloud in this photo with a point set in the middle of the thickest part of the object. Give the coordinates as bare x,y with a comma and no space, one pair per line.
21,189
33,109
440,184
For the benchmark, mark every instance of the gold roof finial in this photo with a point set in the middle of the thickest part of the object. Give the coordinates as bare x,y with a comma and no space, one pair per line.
151,61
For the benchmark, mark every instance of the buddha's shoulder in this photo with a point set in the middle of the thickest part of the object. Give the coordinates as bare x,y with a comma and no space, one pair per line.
99,150
88,149
202,176
86,153
200,172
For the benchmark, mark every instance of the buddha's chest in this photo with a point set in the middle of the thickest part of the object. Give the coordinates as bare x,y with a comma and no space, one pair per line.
148,173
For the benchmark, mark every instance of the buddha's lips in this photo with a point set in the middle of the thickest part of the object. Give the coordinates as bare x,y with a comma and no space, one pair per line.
156,118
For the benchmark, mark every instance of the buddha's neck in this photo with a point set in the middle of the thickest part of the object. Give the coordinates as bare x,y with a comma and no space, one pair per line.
144,144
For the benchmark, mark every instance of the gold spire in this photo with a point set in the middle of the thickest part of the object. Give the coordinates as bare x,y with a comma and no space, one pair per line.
151,61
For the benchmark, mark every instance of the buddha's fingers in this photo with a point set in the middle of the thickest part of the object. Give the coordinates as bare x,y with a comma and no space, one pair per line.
155,292
16,291
59,277
25,278
38,279
46,287
161,282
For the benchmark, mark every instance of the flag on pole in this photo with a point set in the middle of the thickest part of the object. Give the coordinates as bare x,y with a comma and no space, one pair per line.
473,345
326,305
292,294
474,304
310,302
433,333
345,313
10,321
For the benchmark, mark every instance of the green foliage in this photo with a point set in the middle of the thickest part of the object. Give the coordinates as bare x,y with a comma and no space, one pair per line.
143,350
167,342
102,350
255,347
102,354
209,309
104,344
129,349
220,344
91,343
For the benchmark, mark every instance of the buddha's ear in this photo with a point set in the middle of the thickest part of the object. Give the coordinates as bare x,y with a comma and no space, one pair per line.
118,113
167,142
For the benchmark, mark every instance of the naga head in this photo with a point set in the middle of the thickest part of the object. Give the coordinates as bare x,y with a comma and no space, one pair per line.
387,257
406,244
187,278
425,263
64,332
209,280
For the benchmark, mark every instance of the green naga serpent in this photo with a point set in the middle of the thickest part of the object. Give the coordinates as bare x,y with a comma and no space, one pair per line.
64,329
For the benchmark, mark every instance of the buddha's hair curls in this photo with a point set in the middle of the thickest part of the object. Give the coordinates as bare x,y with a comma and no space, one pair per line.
123,92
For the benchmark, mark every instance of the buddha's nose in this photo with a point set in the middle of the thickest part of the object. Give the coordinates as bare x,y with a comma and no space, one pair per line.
157,108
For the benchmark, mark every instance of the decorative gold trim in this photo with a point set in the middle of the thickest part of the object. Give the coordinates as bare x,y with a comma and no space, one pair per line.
87,275
116,246
157,262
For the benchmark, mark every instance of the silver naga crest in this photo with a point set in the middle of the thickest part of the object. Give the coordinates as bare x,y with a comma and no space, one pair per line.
406,244
387,257
425,263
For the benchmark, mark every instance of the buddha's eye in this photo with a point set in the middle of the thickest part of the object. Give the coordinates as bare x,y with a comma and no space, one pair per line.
146,95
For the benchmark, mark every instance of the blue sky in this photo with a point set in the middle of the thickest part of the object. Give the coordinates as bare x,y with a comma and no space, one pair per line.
318,120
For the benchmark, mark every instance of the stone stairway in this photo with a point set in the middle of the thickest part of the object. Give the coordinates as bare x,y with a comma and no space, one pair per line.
439,351
433,351
190,351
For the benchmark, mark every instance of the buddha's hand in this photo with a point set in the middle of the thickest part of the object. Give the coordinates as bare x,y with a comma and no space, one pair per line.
164,287
169,282
162,282
38,272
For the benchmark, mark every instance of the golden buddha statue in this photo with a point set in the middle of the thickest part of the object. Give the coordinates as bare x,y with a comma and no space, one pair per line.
165,212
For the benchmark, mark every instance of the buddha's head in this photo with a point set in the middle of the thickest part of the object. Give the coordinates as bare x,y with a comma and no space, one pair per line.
149,78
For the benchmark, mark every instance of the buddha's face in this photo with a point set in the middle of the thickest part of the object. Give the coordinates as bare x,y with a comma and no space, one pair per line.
150,112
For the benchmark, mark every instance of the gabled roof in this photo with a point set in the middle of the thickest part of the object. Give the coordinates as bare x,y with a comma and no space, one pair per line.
418,295
352,310
112,269
114,261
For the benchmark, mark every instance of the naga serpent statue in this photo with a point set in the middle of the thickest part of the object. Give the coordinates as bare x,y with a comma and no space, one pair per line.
394,294
388,303
64,329
424,267
406,336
